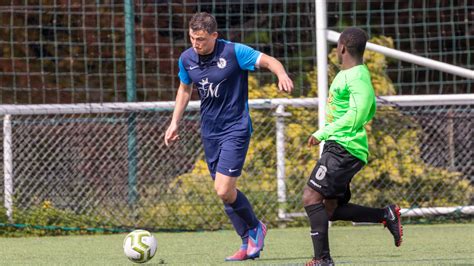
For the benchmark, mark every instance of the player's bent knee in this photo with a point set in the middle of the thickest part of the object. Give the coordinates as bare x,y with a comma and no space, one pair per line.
330,206
222,195
226,195
311,197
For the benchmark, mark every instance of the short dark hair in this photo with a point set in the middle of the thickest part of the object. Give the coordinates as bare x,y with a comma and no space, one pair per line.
354,39
203,21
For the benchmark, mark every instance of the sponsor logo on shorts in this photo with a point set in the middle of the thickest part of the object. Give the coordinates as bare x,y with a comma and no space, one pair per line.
233,170
314,183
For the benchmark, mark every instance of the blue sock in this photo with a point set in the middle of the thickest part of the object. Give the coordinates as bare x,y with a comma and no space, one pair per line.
240,225
243,209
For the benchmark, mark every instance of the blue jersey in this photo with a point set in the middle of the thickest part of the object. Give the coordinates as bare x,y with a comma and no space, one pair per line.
222,83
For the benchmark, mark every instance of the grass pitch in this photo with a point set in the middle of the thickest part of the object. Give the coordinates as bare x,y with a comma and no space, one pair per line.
361,245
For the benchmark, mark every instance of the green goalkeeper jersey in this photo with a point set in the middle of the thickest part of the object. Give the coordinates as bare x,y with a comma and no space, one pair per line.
350,105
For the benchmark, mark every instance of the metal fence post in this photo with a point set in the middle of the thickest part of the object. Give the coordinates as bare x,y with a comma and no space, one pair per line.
280,115
322,61
8,166
131,97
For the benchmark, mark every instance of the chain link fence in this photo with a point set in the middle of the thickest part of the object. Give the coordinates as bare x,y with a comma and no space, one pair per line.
95,169
74,51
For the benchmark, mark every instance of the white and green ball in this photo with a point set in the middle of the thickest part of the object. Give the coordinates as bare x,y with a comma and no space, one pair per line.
139,246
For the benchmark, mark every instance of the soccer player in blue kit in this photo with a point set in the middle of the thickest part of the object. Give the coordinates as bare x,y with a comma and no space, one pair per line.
219,70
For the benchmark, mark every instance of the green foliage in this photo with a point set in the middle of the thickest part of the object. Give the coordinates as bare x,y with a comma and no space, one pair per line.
376,62
395,172
257,37
189,199
47,220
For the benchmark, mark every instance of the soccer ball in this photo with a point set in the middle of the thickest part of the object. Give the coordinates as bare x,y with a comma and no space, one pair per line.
139,246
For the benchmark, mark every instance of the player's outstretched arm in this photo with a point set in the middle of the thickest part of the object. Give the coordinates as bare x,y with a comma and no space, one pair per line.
360,104
272,64
182,100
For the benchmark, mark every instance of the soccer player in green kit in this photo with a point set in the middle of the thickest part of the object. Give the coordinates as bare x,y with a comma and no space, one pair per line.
350,105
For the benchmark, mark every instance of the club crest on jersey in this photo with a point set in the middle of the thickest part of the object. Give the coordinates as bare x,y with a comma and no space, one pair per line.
221,63
208,89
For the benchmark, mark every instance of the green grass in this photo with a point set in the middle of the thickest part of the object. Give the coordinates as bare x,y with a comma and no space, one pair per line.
361,245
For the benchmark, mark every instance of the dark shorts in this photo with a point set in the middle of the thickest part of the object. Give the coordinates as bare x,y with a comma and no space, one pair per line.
226,155
334,171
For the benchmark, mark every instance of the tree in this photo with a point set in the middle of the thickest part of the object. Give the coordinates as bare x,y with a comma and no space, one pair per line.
395,172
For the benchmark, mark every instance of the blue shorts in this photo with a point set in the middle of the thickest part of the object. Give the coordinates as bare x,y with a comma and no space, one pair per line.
226,155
